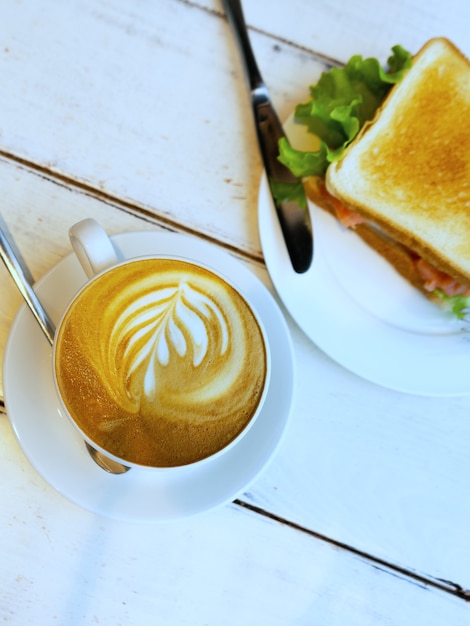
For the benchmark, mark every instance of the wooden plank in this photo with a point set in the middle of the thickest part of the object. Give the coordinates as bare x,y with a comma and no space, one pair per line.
339,29
150,106
62,565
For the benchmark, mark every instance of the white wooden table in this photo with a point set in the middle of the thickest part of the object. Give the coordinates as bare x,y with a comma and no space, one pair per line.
137,114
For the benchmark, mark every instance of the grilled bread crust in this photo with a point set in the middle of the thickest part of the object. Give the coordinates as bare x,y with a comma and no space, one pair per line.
408,170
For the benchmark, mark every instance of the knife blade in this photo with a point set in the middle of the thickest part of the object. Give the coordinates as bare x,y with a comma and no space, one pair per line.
293,214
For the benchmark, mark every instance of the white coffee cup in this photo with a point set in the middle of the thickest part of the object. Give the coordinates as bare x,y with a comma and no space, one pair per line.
158,361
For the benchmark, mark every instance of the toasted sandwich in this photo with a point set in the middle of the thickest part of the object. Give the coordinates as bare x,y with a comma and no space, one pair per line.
403,182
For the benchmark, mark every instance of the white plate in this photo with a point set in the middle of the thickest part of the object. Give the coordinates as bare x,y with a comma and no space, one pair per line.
359,311
57,452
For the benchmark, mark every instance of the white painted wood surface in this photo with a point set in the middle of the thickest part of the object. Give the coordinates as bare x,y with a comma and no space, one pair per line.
137,114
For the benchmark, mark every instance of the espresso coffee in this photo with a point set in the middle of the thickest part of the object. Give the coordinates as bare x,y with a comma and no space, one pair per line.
160,362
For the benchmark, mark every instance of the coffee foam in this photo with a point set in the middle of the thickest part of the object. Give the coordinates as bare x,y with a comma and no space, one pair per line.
161,362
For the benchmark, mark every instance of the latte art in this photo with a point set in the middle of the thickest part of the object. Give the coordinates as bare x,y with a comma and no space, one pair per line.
168,323
161,362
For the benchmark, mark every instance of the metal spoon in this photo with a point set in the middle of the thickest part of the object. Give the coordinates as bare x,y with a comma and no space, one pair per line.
23,278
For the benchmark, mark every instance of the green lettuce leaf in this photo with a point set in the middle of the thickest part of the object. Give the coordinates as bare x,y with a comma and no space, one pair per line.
341,102
457,305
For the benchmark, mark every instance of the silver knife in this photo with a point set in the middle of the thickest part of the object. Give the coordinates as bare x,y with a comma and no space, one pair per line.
293,214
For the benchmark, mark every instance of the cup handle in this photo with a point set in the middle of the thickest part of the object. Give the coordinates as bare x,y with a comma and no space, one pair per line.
92,246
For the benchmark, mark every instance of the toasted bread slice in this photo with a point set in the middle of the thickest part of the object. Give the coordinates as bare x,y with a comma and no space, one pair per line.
408,170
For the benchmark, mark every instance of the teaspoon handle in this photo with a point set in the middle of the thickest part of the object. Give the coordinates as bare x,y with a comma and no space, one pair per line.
24,281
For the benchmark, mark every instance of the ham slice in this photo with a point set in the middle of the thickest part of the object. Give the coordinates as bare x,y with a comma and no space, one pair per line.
348,218
435,279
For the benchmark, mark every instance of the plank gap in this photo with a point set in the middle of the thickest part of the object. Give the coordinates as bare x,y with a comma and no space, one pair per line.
327,60
69,183
395,570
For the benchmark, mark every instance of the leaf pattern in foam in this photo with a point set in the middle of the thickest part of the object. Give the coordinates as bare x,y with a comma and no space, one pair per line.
160,324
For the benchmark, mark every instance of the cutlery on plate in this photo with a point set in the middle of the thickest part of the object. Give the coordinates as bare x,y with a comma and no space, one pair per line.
23,278
293,214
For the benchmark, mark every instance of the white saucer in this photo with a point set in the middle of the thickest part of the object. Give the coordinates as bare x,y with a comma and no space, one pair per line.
57,452
359,311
